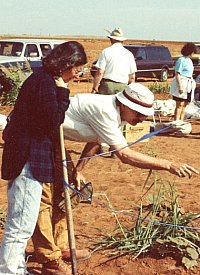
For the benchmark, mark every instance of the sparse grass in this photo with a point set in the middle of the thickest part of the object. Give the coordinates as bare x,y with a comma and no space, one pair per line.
160,227
156,87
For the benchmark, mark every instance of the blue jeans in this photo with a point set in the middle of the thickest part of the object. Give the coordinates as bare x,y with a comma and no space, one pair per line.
24,195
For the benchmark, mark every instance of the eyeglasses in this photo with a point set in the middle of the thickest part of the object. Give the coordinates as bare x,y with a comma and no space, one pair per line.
80,71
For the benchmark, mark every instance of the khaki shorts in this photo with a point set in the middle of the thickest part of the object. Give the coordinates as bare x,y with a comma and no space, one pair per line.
109,87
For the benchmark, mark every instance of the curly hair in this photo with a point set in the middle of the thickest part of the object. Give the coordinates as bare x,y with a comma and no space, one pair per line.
64,57
188,49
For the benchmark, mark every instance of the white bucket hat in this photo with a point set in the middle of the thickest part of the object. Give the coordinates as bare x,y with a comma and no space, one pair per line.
138,98
117,34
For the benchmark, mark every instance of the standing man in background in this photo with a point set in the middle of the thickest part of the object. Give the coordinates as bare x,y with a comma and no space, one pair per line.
116,66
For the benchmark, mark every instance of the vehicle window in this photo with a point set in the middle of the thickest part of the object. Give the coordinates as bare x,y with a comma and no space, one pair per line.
55,45
10,48
45,48
164,54
31,51
153,53
141,54
133,50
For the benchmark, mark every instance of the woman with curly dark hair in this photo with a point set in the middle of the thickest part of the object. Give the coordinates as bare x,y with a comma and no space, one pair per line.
30,137
183,86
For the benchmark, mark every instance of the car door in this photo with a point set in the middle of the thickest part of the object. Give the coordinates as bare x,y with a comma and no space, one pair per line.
154,63
141,62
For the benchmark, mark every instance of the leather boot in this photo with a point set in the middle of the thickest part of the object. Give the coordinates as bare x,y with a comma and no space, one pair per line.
56,267
81,255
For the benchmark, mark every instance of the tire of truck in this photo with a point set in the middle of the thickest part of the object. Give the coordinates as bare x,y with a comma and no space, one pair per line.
164,75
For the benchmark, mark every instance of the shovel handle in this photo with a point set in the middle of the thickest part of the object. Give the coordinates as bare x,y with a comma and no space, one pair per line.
69,217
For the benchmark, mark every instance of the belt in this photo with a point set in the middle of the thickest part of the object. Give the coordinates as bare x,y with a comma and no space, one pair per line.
109,80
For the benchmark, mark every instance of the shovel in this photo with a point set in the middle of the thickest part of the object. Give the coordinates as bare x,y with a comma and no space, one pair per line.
69,217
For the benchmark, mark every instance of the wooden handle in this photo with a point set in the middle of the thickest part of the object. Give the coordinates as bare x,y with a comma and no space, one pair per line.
69,217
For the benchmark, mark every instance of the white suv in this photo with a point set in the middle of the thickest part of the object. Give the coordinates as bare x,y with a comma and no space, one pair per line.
13,51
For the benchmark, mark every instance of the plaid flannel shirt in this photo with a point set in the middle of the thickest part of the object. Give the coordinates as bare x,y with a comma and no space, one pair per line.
34,124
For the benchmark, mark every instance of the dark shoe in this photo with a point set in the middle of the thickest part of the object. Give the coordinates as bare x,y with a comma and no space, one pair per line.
81,255
56,267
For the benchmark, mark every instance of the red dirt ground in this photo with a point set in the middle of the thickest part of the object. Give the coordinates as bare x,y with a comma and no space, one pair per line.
123,186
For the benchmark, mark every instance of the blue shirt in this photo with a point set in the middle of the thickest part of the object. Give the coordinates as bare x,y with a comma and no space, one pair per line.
184,66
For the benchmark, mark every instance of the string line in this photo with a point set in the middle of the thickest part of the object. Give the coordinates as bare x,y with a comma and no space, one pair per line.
146,136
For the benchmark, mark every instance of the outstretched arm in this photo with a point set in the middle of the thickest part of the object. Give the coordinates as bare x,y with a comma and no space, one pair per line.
133,158
140,160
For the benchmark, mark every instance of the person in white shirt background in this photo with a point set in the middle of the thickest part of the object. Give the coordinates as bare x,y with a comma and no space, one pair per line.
116,66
